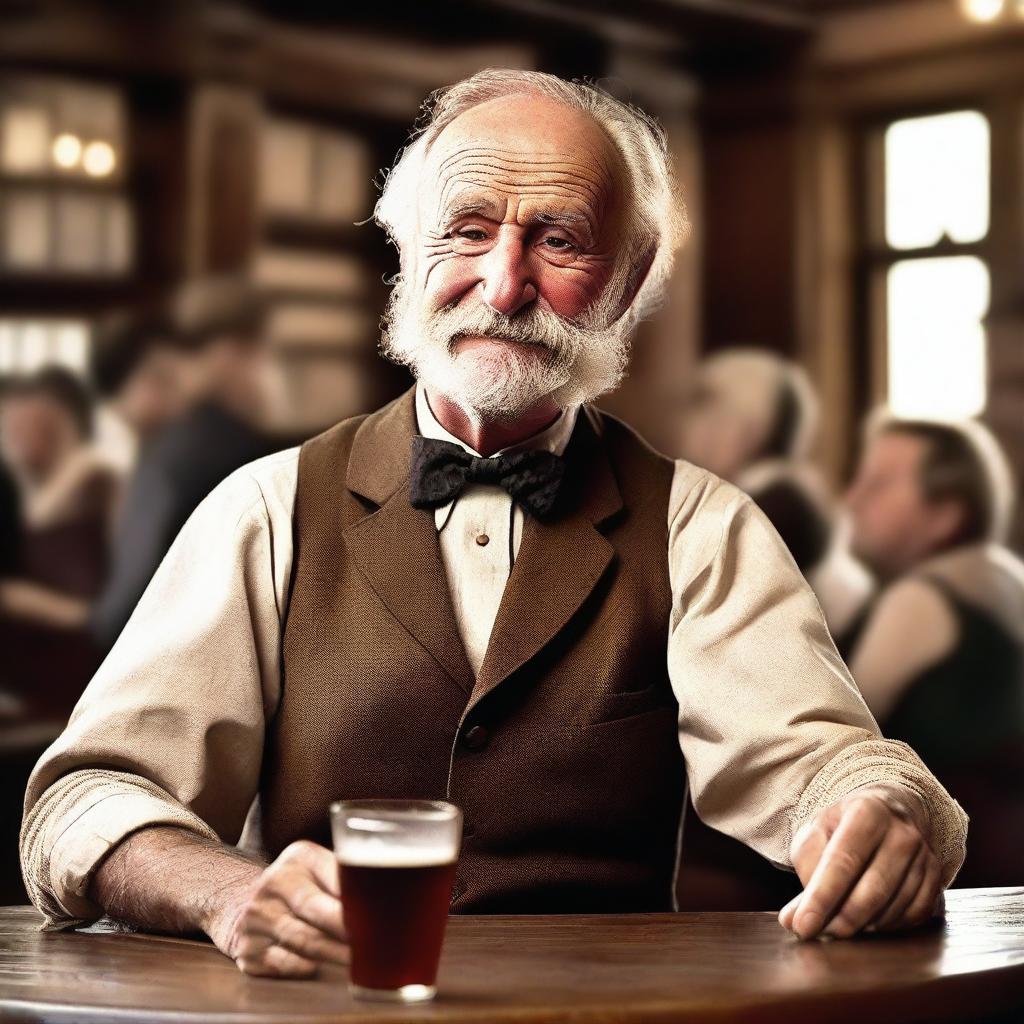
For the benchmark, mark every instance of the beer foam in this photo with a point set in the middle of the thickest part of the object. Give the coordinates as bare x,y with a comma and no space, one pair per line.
374,852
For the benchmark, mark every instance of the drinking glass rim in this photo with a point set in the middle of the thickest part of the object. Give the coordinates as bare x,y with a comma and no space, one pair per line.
422,810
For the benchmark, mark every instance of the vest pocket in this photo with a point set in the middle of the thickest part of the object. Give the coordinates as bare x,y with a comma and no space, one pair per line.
610,708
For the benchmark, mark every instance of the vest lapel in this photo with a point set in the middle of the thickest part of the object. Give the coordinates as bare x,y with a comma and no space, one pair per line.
559,562
396,546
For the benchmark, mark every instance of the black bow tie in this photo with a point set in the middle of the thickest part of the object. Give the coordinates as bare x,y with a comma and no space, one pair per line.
440,470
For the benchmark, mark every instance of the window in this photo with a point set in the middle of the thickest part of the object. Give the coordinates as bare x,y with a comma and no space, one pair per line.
62,174
930,273
27,345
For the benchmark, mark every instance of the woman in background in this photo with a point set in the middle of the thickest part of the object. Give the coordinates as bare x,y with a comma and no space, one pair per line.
67,495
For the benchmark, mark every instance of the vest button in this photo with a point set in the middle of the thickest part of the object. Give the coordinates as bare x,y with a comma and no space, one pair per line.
483,540
476,738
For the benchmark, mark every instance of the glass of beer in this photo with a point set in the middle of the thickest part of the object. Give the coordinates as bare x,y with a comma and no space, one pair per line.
397,862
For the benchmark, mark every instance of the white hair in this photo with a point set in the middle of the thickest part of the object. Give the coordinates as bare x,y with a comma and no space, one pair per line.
657,216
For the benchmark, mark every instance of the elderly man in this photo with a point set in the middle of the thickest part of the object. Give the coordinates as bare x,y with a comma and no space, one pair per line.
490,592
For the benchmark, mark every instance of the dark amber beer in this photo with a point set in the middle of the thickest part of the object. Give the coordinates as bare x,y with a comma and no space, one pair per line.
397,863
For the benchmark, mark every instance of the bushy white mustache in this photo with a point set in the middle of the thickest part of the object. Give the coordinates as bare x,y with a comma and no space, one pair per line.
582,358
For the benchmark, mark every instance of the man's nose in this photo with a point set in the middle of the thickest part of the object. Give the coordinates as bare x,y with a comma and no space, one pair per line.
506,277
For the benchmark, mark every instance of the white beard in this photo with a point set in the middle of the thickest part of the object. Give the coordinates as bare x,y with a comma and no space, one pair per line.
580,359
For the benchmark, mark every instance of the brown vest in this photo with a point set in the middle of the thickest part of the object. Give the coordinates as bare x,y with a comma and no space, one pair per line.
563,752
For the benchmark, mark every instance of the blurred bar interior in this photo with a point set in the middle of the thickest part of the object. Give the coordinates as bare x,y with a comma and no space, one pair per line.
143,145
854,172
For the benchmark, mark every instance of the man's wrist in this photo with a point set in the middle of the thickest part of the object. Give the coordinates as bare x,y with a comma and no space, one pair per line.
219,910
905,802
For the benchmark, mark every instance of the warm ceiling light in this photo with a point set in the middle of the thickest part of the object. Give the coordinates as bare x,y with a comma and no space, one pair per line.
982,10
67,150
99,159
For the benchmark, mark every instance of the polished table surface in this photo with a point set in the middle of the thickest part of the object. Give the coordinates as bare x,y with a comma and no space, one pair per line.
630,968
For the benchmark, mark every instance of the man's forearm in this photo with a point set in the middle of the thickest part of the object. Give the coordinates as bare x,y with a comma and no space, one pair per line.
172,880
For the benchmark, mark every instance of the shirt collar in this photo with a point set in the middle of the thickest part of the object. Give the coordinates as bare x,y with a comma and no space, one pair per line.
553,438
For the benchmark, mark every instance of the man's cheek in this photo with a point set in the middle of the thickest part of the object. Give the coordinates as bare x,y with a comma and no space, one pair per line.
570,294
447,278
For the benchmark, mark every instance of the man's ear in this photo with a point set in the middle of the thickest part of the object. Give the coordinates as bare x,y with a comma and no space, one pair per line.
947,520
635,280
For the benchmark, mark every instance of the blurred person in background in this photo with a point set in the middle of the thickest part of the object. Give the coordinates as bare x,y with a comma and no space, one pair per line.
139,371
67,495
752,419
219,385
939,656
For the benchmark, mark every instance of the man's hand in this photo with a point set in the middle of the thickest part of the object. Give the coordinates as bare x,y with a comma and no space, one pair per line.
865,863
287,921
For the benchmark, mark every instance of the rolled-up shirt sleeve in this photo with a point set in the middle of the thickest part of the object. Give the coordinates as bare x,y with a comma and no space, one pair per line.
171,729
771,724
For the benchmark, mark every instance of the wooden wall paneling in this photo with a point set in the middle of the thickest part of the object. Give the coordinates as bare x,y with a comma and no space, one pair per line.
825,287
750,216
158,183
668,343
223,163
1005,323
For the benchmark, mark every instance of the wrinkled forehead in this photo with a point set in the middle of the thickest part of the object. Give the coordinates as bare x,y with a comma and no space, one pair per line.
540,158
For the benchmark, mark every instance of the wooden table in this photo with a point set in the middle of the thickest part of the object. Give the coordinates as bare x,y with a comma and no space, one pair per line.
584,970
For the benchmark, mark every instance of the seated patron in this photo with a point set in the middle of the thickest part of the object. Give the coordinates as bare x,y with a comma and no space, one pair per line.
939,657
140,371
487,591
208,397
67,494
752,418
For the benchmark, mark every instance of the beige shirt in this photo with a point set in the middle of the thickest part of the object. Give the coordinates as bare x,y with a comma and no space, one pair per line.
171,729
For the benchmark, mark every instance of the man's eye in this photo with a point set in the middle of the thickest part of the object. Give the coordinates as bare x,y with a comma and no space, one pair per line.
472,234
558,244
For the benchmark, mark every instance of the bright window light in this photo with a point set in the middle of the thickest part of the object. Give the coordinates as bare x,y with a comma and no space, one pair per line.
99,159
25,135
937,358
28,345
36,350
67,150
982,10
937,179
69,345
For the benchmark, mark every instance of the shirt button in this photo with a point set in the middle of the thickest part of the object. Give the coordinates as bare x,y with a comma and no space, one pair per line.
483,540
476,738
